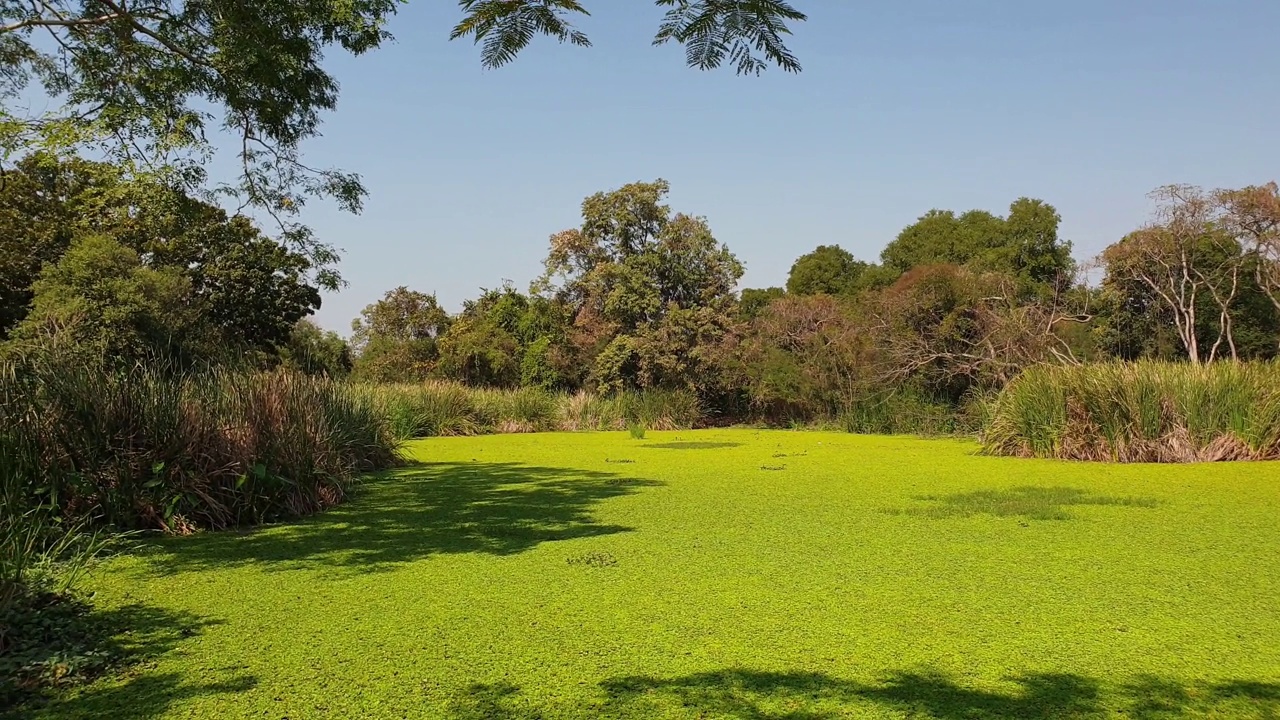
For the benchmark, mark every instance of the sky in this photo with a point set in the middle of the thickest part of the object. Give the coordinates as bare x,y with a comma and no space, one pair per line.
902,106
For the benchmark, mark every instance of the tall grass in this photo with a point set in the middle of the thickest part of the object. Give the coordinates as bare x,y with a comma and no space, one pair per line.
1140,412
142,448
441,408
905,412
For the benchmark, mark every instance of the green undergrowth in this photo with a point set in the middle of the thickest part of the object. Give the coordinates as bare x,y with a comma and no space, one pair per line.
447,409
719,574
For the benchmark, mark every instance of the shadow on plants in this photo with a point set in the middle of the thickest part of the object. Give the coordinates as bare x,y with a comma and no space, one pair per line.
740,693
58,642
690,445
484,701
141,698
417,512
1035,503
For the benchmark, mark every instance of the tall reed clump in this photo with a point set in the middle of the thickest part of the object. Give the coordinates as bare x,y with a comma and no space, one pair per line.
427,410
143,448
1140,412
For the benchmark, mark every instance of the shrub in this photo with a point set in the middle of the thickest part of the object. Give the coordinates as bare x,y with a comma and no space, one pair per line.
1140,412
905,412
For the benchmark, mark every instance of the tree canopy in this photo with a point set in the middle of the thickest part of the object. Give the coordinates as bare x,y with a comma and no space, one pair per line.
81,240
829,269
1024,244
397,336
146,83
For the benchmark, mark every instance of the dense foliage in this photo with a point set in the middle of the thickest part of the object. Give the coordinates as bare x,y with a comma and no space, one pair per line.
145,448
132,270
640,297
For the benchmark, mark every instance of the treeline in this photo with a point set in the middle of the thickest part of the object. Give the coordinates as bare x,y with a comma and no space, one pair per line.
641,297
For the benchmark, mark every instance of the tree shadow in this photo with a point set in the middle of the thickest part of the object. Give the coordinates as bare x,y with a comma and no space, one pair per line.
140,698
129,639
1035,503
485,701
754,695
1042,696
417,512
691,445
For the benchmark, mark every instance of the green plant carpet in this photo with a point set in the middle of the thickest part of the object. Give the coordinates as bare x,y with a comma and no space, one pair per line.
719,574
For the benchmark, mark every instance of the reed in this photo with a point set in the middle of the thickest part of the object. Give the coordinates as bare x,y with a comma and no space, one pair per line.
146,449
1140,412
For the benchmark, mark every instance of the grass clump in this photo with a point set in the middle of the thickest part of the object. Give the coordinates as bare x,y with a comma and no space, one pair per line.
1140,412
142,448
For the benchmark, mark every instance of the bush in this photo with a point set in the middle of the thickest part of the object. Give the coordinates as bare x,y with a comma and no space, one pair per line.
1140,412
904,412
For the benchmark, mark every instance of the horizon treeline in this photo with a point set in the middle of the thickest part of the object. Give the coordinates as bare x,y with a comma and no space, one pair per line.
641,296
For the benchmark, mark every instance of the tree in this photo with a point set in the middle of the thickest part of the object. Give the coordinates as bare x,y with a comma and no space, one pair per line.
952,329
681,351
395,338
1252,216
43,203
632,259
101,299
939,236
802,357
143,81
630,265
1186,260
477,350
829,269
316,352
249,290
753,301
1032,250
1025,244
505,338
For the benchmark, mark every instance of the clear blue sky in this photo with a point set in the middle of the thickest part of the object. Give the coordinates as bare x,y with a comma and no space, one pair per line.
903,106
